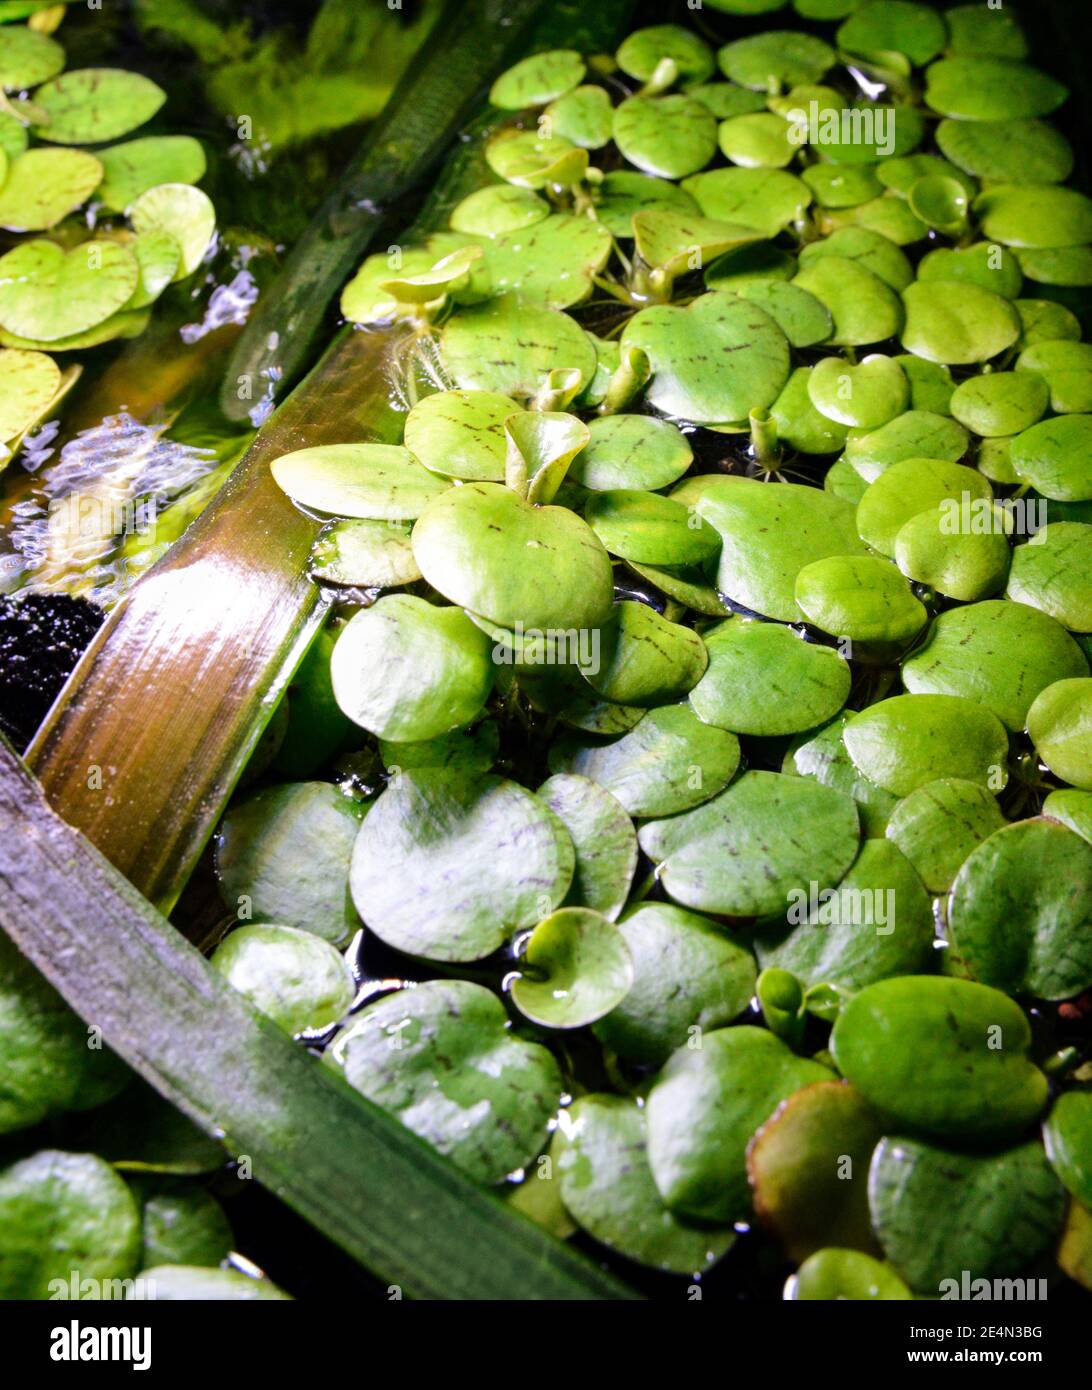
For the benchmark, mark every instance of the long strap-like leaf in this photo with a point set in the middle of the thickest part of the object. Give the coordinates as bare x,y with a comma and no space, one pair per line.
351,1170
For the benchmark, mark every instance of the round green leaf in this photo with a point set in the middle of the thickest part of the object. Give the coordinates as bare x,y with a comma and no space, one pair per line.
184,1225
687,974
752,264
835,1274
28,384
670,136
938,825
865,309
668,762
498,208
734,856
282,855
750,349
985,264
549,264
894,26
642,51
1065,265
584,116
997,653
1021,907
703,1110
443,1059
473,544
861,597
381,482
798,1169
1072,808
190,1284
766,199
607,1187
295,977
726,100
919,434
774,60
974,31
29,57
993,149
842,185
650,529
460,434
911,486
960,1070
574,969
183,212
1066,367
957,323
902,172
131,169
1001,403
990,89
865,396
46,294
1060,725
365,554
757,140
406,670
763,679
1035,216
908,740
631,451
64,1215
1054,456
510,348
48,1063
642,659
448,863
536,80
770,532
87,106
1054,574
986,1215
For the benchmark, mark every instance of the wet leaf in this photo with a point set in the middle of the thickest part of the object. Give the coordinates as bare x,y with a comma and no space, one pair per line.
1055,574
957,323
771,61
510,348
670,136
704,1109
295,977
990,89
133,168
766,199
28,58
688,974
865,396
1060,725
987,1215
631,451
864,308
65,1215
380,482
993,149
537,80
743,853
894,26
607,1187
603,838
1054,457
938,825
28,384
48,295
905,741
862,597
668,762
919,434
946,1029
443,1059
1067,1132
769,534
448,863
183,212
623,193
87,106
282,855
824,756
640,53
762,679
845,1274
498,208
574,968
997,653
808,1168
914,485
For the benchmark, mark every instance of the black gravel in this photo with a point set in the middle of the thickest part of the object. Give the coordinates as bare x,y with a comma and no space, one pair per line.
42,636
